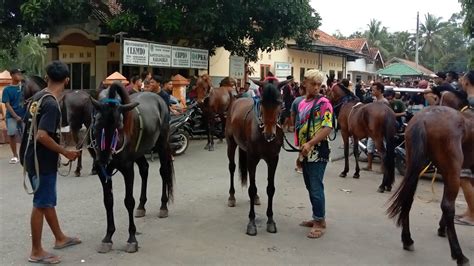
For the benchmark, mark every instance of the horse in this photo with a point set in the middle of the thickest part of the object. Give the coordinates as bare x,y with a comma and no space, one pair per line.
31,86
448,145
375,120
203,86
217,103
124,129
252,126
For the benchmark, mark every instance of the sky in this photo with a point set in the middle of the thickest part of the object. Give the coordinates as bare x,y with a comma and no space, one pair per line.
349,16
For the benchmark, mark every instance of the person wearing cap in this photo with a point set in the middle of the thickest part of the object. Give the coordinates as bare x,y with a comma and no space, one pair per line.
12,97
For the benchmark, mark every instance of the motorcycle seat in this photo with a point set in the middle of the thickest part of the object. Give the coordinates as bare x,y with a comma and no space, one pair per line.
177,118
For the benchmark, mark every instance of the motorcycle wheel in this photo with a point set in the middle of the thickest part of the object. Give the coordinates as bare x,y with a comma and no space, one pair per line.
184,141
400,164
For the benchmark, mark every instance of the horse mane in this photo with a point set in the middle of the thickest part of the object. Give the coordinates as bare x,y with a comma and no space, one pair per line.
346,90
118,89
271,95
460,94
39,81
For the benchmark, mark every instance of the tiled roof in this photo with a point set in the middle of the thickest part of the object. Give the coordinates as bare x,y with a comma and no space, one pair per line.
354,44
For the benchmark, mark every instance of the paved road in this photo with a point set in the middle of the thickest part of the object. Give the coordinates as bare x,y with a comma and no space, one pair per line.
201,229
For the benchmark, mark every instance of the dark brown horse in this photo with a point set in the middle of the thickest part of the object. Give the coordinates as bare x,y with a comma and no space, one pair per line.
124,129
252,127
445,137
217,103
203,86
374,120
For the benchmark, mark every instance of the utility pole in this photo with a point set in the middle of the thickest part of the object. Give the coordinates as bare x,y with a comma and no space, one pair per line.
417,38
120,34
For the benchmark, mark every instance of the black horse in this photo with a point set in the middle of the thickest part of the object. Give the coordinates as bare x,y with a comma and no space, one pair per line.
123,132
253,128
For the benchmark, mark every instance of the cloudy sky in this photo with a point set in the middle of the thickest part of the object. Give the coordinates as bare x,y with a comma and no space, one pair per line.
349,16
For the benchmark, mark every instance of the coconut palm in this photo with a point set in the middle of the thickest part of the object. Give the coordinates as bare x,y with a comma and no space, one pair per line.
377,36
403,45
431,37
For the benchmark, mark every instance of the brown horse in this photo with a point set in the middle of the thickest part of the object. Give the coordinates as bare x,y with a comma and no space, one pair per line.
374,120
448,145
252,127
217,103
203,86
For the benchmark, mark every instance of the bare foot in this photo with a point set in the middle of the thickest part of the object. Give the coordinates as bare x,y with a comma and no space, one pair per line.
318,229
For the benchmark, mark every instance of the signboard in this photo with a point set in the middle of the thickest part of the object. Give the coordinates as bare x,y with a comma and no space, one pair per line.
160,55
135,53
181,57
199,58
237,67
282,70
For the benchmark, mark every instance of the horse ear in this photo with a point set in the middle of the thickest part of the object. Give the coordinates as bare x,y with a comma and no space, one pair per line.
127,107
97,105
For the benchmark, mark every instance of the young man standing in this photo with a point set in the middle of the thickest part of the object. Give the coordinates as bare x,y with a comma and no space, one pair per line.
136,85
12,97
45,108
314,125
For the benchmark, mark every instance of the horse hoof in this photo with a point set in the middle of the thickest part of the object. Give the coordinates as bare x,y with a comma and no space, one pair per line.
140,213
251,229
211,148
442,232
410,247
388,189
464,262
342,174
257,201
105,247
163,214
380,190
206,147
231,203
271,227
132,247
356,176
77,173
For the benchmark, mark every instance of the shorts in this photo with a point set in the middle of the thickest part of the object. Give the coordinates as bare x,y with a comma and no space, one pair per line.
370,145
45,196
13,127
467,173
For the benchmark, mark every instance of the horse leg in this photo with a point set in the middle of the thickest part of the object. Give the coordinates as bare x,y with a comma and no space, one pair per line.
386,184
75,136
451,189
128,176
208,122
94,166
143,167
231,147
406,236
356,156
106,244
166,173
442,227
252,167
345,138
272,165
212,124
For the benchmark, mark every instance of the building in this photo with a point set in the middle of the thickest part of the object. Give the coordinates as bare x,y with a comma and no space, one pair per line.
363,68
398,68
293,60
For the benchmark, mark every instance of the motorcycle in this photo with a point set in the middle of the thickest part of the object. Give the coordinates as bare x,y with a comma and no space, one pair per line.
198,126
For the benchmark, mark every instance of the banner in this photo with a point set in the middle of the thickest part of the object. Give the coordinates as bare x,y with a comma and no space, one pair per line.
160,55
237,67
199,58
181,57
135,53
282,70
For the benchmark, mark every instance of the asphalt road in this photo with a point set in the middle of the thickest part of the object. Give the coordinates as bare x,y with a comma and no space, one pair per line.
201,229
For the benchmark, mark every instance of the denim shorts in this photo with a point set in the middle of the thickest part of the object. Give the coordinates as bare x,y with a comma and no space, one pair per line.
13,127
45,196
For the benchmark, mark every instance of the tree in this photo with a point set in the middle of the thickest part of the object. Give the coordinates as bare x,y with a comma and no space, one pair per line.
431,40
403,45
29,54
468,25
377,36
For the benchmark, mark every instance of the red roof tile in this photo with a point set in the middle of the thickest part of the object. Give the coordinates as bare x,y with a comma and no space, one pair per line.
355,44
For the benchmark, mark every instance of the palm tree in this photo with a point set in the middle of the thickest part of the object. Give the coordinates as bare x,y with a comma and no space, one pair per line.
431,40
377,36
403,45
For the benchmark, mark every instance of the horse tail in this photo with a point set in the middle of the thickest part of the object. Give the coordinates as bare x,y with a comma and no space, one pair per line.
390,130
63,106
243,167
402,200
167,166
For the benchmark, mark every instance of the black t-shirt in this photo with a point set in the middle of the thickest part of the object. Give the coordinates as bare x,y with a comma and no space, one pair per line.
165,97
48,118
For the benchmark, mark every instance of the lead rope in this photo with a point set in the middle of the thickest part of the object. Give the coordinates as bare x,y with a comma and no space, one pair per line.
32,133
433,195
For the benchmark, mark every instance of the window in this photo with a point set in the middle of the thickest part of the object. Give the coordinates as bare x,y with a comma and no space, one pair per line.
339,75
332,73
80,76
359,77
302,74
264,70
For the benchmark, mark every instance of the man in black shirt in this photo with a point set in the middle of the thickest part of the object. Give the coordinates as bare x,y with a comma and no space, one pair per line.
44,110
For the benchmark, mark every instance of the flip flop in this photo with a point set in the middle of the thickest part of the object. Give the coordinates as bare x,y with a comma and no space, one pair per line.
71,241
46,259
316,232
461,221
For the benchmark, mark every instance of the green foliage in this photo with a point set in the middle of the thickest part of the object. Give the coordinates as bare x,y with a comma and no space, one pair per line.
30,55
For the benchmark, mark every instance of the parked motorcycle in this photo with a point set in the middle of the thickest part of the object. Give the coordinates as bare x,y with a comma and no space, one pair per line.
198,124
180,131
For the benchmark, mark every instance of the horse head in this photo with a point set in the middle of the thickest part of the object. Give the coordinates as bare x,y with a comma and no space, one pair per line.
446,95
270,110
33,85
111,123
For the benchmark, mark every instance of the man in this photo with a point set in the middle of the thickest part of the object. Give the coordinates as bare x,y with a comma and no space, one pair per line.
12,97
136,82
314,125
377,92
246,92
452,78
397,106
48,148
155,86
440,78
146,77
174,102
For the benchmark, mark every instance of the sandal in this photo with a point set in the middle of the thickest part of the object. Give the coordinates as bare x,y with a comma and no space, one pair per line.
71,241
316,232
46,259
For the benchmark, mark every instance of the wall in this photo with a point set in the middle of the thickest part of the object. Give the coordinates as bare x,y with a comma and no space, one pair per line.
358,65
